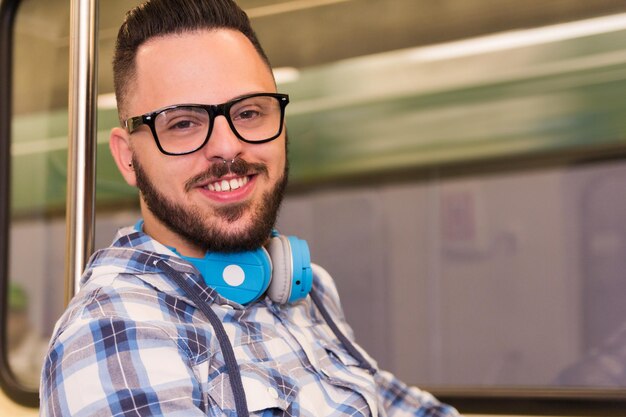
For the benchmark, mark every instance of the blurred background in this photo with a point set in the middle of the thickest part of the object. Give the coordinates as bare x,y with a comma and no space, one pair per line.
458,166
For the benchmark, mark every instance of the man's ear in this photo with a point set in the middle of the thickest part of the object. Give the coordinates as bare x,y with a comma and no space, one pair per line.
119,143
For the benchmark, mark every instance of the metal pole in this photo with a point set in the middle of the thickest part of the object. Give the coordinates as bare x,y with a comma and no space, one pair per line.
82,142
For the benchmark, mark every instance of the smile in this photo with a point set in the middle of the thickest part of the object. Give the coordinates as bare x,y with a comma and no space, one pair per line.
227,185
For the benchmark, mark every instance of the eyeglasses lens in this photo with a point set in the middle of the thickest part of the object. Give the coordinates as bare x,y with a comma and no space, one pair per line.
256,118
182,129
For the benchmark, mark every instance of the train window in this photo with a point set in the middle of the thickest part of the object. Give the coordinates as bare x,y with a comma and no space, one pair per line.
467,195
38,160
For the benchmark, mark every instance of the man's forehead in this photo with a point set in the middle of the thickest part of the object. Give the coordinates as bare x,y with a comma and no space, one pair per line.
206,66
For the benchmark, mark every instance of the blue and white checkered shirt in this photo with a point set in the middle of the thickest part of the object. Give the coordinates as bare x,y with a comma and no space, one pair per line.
131,343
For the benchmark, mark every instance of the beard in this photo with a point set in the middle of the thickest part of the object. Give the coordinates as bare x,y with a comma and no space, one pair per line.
189,222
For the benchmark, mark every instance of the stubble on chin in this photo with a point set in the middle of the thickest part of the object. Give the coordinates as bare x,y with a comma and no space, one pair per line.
232,213
207,231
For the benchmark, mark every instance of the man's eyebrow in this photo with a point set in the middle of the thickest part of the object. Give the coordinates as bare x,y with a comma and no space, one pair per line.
237,97
250,93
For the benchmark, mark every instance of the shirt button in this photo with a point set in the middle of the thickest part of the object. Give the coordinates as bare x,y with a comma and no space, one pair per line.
272,393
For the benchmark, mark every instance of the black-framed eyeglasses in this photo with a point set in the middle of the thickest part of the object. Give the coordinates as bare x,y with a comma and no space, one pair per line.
184,128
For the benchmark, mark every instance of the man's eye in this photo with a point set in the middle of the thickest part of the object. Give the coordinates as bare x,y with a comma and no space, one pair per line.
182,124
247,114
181,120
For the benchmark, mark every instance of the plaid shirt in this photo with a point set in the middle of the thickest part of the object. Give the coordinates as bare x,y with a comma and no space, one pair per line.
131,343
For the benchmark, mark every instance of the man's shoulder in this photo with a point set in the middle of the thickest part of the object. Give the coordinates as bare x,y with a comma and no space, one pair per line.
125,306
130,260
113,296
123,283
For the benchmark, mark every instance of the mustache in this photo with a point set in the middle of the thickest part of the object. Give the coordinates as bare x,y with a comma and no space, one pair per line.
217,170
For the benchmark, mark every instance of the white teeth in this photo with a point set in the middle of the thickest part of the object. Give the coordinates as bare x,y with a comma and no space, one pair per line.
227,185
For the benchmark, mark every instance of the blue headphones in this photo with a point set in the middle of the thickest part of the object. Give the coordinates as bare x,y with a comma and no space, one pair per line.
283,270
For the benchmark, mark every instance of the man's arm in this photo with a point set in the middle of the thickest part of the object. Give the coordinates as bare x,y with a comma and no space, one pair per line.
112,366
400,400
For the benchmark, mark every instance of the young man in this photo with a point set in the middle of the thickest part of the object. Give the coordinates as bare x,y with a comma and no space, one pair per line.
179,317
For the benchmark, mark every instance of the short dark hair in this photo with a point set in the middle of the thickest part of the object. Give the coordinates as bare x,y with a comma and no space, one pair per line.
164,17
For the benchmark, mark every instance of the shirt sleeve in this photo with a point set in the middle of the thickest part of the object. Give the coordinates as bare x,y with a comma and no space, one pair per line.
400,400
113,366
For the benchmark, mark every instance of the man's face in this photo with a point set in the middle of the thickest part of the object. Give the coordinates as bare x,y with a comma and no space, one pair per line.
180,204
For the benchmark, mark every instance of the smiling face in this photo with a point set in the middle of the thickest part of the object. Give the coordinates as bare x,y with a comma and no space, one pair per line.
225,196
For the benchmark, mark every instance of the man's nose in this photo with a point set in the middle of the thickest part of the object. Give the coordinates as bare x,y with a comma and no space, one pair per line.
223,143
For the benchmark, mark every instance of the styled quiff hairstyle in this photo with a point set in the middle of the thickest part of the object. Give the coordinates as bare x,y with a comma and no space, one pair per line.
165,17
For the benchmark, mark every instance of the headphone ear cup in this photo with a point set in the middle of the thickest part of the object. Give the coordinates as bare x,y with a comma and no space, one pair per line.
279,249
